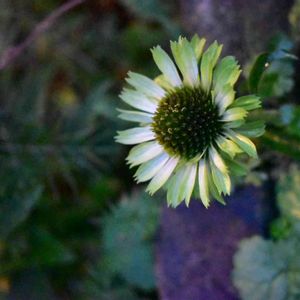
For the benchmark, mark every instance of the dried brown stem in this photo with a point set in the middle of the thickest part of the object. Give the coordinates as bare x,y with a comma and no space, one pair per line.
12,53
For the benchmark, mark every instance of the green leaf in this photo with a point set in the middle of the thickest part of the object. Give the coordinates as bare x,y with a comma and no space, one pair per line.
267,270
257,71
288,194
127,234
280,228
277,80
278,139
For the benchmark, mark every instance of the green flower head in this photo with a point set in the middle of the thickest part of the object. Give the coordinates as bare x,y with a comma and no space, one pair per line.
191,127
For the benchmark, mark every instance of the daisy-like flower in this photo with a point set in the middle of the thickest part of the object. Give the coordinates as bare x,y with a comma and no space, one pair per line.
191,127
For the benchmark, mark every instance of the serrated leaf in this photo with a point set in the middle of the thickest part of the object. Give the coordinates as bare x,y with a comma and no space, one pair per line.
262,269
132,224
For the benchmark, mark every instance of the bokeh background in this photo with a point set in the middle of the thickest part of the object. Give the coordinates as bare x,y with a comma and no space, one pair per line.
73,224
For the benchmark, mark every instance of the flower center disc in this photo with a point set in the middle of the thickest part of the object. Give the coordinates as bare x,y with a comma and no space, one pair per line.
186,122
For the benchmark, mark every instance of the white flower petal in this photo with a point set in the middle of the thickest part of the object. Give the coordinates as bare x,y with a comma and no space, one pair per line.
182,184
224,98
145,85
135,116
147,170
138,100
143,153
203,182
174,188
217,160
162,176
186,61
189,182
135,135
166,66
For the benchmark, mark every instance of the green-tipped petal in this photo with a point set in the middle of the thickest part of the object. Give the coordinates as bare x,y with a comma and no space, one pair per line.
227,72
163,82
198,46
244,143
166,66
138,100
147,170
216,158
135,135
186,61
221,180
203,182
228,146
249,102
234,114
208,62
135,116
212,187
162,176
143,153
145,85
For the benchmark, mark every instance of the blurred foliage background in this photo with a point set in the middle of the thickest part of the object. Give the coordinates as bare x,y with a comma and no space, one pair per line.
72,223
64,232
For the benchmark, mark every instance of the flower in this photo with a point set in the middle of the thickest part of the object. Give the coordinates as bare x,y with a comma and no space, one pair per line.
191,127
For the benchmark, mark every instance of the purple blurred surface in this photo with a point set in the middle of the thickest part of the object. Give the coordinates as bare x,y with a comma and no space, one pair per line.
195,246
